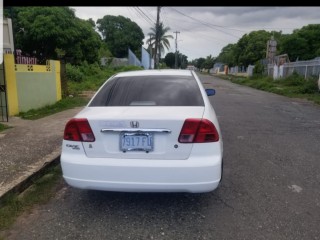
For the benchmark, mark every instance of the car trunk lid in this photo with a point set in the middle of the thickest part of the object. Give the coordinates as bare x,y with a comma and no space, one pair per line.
154,130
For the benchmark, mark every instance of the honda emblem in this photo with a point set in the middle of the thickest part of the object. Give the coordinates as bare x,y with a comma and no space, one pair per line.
134,124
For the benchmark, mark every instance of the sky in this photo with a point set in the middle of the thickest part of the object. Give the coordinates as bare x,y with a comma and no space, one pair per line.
206,30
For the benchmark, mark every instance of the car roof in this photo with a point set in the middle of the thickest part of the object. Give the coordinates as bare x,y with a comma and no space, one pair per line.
171,72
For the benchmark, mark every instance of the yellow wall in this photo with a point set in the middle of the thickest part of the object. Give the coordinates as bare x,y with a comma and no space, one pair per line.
10,75
58,80
30,68
19,76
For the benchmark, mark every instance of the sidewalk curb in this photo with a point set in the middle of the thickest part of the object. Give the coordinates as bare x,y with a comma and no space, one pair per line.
28,179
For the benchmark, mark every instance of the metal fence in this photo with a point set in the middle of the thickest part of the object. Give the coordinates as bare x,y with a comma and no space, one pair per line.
133,60
242,71
304,68
237,69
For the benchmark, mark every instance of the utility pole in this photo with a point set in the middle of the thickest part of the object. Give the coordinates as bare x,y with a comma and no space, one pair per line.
157,40
176,57
150,51
13,30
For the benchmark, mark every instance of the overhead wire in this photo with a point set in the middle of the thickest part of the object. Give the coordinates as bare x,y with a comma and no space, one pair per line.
191,28
206,24
146,16
130,12
140,15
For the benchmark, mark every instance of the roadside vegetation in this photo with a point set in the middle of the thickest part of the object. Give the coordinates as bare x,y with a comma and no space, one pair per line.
3,127
86,77
294,86
14,204
63,104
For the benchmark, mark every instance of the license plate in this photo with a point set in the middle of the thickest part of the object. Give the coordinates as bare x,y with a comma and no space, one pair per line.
136,142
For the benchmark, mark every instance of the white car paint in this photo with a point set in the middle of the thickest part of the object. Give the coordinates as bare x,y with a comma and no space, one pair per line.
171,167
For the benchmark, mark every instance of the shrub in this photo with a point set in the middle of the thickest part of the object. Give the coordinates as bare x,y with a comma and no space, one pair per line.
293,80
258,69
127,68
73,73
89,69
309,86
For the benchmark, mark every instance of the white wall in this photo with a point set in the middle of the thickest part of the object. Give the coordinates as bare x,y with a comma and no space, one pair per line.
8,44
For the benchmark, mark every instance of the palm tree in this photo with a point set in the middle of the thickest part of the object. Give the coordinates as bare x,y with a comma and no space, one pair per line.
159,33
208,63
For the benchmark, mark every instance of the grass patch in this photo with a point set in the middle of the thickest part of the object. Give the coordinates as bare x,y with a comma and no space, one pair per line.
3,127
63,104
13,205
294,86
91,77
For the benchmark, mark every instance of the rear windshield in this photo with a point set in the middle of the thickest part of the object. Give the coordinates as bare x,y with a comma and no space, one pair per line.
149,91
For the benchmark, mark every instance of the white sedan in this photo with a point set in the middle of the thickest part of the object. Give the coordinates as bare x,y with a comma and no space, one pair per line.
145,131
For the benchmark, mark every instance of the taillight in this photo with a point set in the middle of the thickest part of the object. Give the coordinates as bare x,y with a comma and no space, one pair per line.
198,131
78,129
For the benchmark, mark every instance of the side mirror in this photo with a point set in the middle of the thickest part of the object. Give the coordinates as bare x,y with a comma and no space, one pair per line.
210,92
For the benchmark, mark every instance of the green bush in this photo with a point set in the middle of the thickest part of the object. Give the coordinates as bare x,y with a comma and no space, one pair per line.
298,84
73,73
94,76
263,85
89,69
258,69
127,68
309,86
293,80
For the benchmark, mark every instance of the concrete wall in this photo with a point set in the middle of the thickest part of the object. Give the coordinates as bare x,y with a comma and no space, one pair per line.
8,45
31,86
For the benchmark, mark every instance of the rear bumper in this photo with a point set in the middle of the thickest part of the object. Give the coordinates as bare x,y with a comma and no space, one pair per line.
142,175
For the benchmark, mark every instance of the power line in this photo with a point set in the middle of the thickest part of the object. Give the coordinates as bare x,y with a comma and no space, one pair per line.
190,30
147,17
130,12
214,25
165,18
206,24
140,15
136,13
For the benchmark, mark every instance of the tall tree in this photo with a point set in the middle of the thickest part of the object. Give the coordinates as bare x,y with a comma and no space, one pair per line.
89,43
227,55
46,31
182,61
199,62
251,47
120,33
163,36
302,44
208,63
169,59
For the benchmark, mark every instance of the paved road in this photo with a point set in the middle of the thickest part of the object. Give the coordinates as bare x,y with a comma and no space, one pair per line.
270,188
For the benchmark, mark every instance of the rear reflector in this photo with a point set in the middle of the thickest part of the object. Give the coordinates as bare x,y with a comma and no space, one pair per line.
198,131
78,129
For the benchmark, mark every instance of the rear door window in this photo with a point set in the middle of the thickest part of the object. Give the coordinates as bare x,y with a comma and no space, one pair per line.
149,91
